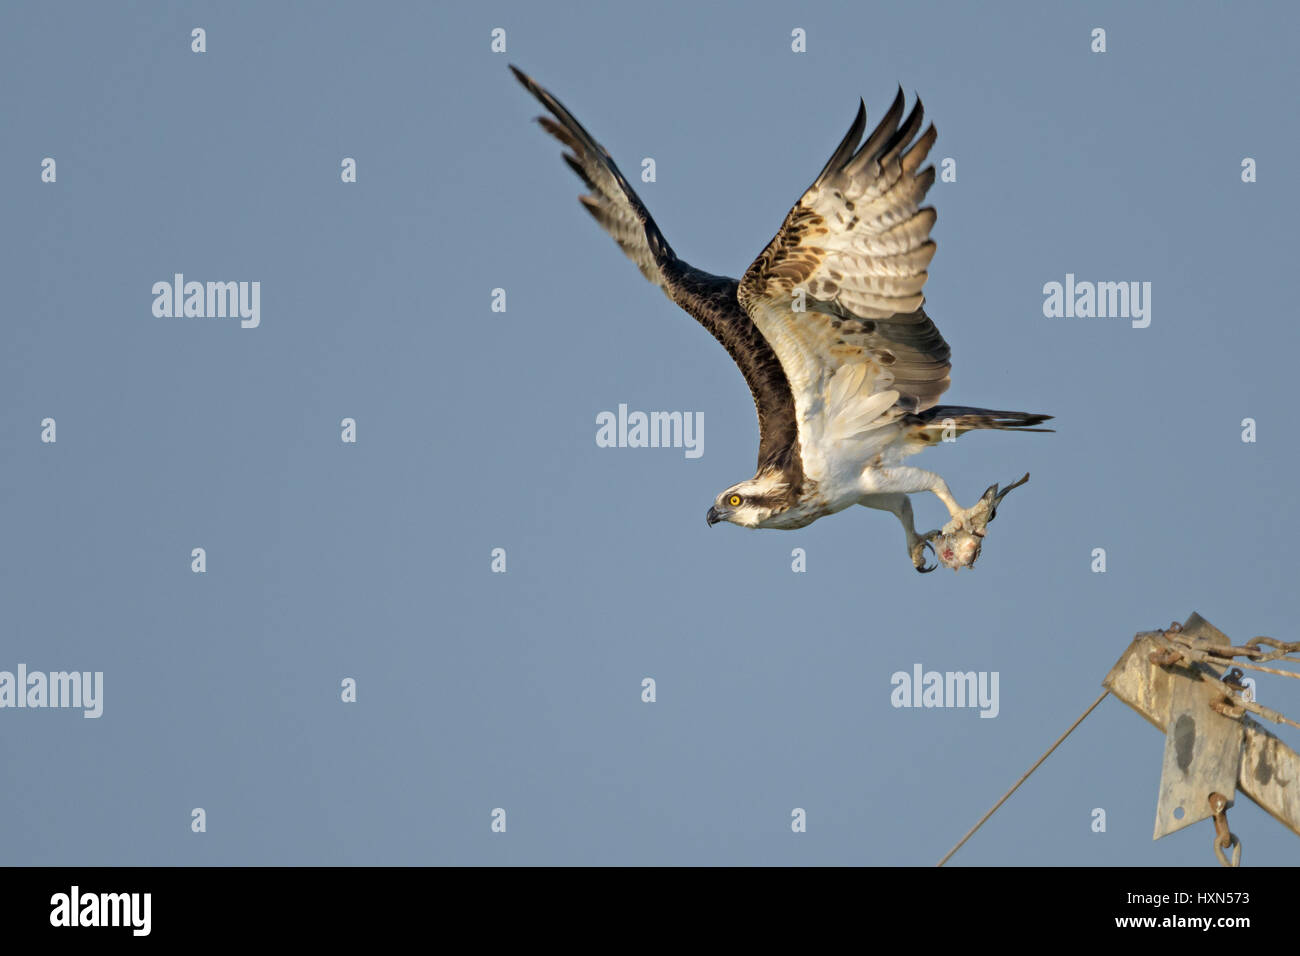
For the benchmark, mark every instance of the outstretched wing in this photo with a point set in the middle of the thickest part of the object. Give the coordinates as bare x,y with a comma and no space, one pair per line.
711,299
837,292
612,201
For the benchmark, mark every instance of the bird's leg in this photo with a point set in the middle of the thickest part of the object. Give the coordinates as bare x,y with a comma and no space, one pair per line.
976,518
957,544
876,481
900,506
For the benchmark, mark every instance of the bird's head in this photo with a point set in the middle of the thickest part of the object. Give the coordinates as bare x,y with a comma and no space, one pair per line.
751,503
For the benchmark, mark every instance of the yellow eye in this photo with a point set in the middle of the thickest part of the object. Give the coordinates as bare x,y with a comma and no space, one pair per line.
734,501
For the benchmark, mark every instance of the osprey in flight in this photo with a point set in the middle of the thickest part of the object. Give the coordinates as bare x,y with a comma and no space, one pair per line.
827,326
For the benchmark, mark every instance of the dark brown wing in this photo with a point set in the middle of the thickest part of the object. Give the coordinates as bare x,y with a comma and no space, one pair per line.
612,201
709,298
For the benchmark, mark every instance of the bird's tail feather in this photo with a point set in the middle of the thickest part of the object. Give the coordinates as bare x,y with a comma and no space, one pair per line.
965,419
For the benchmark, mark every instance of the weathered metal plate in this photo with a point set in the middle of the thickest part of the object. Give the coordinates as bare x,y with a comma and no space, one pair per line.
1202,755
1270,775
1270,770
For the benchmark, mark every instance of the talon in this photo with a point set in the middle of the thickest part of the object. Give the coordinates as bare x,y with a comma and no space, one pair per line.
918,552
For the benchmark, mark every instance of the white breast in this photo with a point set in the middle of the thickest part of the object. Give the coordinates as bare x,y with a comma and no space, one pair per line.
843,427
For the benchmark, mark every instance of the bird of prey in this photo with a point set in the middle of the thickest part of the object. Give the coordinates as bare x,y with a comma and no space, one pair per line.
827,326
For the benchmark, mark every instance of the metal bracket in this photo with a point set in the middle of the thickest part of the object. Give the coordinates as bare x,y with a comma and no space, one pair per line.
1270,770
1202,753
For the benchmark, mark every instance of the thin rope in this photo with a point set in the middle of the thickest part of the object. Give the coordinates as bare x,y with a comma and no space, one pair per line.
1267,670
1038,763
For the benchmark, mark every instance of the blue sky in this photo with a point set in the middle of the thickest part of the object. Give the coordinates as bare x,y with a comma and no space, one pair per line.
476,430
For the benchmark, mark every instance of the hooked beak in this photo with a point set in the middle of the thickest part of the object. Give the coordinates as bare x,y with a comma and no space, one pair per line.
713,517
